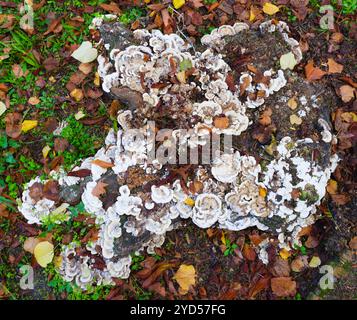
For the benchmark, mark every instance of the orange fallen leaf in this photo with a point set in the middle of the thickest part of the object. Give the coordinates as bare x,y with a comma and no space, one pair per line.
102,164
313,73
221,122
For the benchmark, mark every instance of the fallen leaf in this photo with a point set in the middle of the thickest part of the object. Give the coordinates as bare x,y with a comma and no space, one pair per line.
30,244
181,76
249,253
259,286
85,68
285,254
33,101
353,243
45,150
28,125
221,122
103,164
340,199
313,73
311,242
347,93
178,3
60,144
334,67
314,262
265,117
185,277
292,103
299,263
99,189
283,286
294,119
77,94
331,186
111,7
288,61
280,268
85,53
79,115
270,8
2,108
44,253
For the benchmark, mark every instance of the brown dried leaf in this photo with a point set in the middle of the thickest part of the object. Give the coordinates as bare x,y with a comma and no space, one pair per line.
13,124
347,93
283,286
102,164
313,73
333,66
99,189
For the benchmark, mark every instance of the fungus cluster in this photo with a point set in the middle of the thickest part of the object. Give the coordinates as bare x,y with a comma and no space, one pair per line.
135,200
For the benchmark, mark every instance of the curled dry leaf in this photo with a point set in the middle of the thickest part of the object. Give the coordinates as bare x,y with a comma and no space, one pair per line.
185,277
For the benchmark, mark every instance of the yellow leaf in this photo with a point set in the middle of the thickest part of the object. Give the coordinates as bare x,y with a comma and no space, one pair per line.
27,125
294,119
44,253
96,79
314,262
181,76
185,277
178,3
45,151
270,8
79,115
251,15
223,238
292,103
58,261
285,254
331,186
77,94
190,202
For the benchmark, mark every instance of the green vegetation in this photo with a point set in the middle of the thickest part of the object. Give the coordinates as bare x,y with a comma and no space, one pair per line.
130,15
230,247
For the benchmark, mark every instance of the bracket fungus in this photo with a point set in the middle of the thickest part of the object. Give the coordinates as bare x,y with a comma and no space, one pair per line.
195,94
